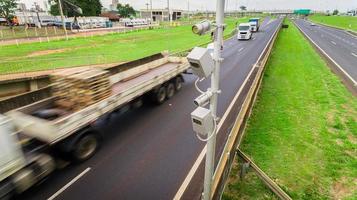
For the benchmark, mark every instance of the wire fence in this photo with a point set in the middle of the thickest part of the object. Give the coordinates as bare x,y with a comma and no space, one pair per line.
29,32
21,35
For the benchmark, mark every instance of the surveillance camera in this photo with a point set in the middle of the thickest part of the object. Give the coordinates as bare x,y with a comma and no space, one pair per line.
202,121
201,62
202,27
203,99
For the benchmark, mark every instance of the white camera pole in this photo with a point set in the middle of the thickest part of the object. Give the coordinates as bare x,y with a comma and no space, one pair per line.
211,144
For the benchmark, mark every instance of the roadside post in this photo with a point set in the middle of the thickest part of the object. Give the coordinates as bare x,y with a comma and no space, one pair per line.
62,18
204,120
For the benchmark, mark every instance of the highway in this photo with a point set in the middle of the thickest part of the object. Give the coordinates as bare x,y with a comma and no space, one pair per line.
339,45
149,152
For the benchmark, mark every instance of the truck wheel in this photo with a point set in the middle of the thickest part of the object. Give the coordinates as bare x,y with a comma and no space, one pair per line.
170,90
85,147
160,95
178,83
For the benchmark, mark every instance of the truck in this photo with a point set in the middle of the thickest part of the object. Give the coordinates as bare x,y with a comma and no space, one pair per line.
244,31
31,145
254,23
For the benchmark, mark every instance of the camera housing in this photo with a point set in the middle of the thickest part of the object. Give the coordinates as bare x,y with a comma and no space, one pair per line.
201,62
202,121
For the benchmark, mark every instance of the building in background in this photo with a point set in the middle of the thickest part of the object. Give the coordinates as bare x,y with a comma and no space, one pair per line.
161,14
114,5
352,12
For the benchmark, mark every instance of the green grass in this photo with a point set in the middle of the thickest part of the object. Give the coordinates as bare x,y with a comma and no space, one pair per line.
101,49
303,129
345,22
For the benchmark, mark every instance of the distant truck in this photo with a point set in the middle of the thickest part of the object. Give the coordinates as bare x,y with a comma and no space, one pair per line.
254,23
244,31
30,143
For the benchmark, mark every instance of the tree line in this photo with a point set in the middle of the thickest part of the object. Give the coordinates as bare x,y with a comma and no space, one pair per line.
88,8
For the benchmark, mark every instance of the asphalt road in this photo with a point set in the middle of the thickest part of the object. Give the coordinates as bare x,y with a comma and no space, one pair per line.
338,44
148,152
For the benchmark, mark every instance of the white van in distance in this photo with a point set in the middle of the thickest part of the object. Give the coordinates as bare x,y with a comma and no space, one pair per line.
244,31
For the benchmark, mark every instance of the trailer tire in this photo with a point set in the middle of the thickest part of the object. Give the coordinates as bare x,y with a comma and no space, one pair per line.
170,90
160,95
85,147
178,83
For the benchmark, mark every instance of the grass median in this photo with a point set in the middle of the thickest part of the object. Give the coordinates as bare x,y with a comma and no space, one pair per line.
344,22
303,128
101,49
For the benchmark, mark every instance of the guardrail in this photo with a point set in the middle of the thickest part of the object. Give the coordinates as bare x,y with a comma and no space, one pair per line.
265,178
237,131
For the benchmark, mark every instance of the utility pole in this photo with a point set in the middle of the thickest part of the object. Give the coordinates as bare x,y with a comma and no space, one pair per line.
188,9
169,11
151,11
211,144
237,8
62,18
38,16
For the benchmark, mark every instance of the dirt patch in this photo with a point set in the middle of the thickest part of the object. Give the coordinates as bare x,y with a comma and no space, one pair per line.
340,189
352,139
339,142
46,52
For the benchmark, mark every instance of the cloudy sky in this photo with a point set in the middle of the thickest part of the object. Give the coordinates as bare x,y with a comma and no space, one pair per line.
342,5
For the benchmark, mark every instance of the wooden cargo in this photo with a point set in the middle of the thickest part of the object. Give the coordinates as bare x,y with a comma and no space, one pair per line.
76,89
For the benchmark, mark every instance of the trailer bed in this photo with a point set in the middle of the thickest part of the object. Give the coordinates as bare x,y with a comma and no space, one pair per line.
123,91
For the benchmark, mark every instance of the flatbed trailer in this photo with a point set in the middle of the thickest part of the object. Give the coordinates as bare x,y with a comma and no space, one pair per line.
72,136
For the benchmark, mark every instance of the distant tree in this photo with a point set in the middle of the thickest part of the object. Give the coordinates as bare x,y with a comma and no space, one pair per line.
335,12
126,10
7,9
89,7
243,8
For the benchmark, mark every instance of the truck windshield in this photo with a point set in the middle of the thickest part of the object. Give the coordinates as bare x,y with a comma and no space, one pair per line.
243,28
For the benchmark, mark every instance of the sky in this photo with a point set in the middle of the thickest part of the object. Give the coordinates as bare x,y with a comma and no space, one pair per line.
322,5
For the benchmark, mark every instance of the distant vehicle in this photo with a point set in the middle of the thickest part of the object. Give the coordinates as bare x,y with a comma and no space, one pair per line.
134,22
244,31
254,23
312,24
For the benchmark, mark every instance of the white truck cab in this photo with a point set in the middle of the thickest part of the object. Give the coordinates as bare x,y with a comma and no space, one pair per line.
244,31
18,172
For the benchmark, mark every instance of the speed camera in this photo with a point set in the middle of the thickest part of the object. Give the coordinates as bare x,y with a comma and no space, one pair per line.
201,62
202,121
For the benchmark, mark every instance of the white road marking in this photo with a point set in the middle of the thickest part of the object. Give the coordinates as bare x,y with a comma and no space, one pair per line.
199,159
241,49
333,42
343,71
353,54
253,38
190,174
69,184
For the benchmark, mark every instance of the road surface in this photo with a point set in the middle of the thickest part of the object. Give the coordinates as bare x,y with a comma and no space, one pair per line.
148,152
339,45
